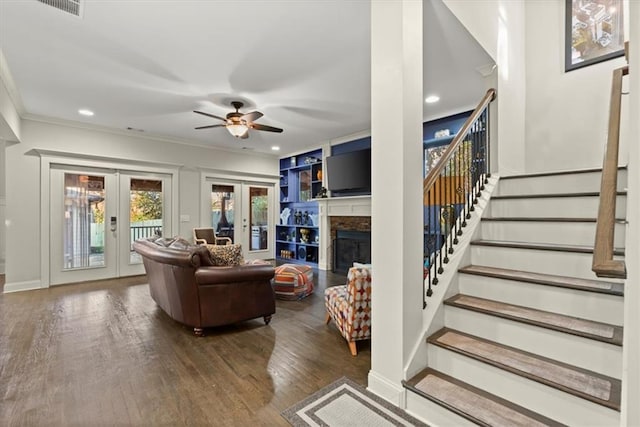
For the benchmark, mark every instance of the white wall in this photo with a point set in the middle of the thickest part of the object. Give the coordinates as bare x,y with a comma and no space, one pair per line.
567,113
9,118
23,179
498,25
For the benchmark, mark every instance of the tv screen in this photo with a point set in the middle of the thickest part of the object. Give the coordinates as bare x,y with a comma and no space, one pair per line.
349,171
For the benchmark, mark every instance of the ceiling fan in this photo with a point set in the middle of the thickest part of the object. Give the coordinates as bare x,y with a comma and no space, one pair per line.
237,123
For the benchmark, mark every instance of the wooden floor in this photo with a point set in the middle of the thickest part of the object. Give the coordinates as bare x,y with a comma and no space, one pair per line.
103,353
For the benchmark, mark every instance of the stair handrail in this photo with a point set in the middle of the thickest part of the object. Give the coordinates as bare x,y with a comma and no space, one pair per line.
603,263
446,156
464,170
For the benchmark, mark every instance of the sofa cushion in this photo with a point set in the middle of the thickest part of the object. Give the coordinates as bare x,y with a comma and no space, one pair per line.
226,255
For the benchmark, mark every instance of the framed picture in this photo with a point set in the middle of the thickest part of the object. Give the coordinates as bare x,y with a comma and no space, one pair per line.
594,32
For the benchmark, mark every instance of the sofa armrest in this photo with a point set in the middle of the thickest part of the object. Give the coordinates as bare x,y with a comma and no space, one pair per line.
244,273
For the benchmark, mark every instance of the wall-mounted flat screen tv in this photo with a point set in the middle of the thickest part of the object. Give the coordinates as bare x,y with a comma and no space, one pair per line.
349,171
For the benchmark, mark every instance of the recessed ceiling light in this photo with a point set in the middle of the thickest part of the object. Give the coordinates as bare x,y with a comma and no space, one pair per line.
431,99
85,112
275,148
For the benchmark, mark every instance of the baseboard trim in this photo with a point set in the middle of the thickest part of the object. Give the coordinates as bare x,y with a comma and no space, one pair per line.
386,389
29,285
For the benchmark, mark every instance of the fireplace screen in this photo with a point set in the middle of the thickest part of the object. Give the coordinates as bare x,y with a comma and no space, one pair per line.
350,247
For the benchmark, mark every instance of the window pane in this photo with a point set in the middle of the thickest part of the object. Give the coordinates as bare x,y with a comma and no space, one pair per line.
258,219
145,212
222,210
84,224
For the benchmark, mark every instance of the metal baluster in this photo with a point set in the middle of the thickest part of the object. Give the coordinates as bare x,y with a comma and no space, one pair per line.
487,142
440,233
456,196
433,255
450,206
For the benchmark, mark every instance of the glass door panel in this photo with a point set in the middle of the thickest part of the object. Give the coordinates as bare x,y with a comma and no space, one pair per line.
223,209
84,226
82,241
259,218
144,212
257,221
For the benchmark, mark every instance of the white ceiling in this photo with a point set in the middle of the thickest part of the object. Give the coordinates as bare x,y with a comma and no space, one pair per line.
147,64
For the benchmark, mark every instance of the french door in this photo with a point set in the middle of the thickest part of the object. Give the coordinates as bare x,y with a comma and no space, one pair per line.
243,212
97,214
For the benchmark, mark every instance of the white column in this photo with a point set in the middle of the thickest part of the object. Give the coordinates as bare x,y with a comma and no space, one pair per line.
396,157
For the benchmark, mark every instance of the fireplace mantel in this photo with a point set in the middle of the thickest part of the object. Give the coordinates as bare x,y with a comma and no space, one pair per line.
337,206
345,206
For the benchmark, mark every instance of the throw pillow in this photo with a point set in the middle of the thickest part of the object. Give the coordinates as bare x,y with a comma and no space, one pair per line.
226,255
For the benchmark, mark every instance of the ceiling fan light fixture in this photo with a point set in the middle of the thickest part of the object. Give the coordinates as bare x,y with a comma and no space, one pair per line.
237,129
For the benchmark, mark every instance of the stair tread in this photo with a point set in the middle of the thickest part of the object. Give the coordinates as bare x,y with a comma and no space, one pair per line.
599,331
542,246
552,195
556,173
473,403
544,219
580,382
546,279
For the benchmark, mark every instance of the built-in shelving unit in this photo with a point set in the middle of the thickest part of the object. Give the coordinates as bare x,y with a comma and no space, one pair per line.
297,234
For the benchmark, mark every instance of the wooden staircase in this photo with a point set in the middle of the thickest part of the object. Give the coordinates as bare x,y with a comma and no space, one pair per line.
530,336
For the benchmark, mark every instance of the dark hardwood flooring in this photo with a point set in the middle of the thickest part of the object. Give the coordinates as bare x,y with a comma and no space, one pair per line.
103,353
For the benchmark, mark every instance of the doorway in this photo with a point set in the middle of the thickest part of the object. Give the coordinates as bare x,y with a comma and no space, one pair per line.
243,211
97,214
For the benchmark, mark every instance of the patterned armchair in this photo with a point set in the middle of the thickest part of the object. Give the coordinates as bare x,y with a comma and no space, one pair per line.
350,306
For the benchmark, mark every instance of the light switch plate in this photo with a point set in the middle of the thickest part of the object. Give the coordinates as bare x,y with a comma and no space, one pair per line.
185,218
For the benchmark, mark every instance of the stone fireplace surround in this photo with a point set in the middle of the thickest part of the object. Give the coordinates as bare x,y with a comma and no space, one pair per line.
340,213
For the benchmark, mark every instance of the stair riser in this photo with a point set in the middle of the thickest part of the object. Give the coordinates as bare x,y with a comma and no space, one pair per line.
556,207
556,184
570,233
547,262
571,302
545,400
434,414
578,351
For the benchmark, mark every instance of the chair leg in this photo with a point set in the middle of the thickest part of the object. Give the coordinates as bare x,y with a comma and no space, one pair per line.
352,347
327,318
267,319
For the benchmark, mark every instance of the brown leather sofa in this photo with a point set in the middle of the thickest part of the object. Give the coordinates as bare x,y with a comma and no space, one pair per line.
185,284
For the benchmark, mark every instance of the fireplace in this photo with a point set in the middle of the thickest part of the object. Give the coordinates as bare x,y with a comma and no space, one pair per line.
344,215
351,246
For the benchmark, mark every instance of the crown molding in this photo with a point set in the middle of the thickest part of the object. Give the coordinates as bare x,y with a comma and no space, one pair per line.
135,134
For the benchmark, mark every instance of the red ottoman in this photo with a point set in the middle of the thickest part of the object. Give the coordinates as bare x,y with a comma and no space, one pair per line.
293,281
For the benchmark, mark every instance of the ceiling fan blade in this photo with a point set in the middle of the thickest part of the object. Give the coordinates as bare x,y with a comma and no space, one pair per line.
258,126
211,126
210,115
252,116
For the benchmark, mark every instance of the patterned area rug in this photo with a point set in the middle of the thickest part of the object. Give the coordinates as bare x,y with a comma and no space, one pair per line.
345,403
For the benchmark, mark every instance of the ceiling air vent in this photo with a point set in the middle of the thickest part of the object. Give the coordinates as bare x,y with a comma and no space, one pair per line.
69,6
